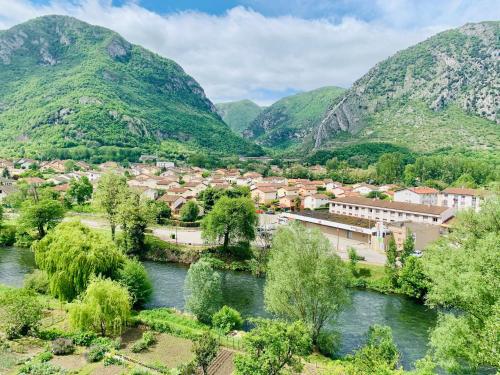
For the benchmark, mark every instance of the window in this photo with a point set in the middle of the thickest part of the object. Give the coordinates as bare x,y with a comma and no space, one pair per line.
435,219
349,234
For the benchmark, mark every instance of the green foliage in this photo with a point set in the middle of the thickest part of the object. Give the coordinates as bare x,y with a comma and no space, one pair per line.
391,262
135,278
62,346
408,248
390,167
205,349
464,274
41,215
412,280
328,343
109,195
203,291
189,211
231,219
133,216
71,254
238,115
102,106
104,308
37,281
160,211
40,368
282,124
148,339
376,194
7,235
379,355
304,280
96,353
22,312
353,259
80,190
45,356
227,319
273,347
211,195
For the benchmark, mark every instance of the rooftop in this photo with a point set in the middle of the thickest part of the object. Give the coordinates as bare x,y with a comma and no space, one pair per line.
462,191
398,206
344,219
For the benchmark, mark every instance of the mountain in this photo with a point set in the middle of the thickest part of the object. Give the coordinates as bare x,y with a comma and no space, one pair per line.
238,115
67,86
289,120
441,92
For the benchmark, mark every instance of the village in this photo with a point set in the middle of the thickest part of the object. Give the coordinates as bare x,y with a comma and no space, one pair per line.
360,216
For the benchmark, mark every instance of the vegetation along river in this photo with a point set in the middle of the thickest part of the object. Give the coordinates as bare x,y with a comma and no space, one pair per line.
410,322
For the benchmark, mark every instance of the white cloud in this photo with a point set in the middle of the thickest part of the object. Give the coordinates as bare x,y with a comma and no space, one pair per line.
244,54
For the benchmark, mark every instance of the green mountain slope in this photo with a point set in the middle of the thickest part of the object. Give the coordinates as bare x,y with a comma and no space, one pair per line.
441,92
289,120
67,85
238,115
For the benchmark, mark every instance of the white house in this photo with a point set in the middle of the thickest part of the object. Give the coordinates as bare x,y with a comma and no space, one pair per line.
165,164
363,189
417,195
460,198
315,201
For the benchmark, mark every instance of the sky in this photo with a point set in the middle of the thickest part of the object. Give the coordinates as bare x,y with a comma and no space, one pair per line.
266,49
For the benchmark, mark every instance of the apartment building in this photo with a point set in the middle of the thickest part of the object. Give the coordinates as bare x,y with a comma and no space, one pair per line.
417,195
460,198
387,211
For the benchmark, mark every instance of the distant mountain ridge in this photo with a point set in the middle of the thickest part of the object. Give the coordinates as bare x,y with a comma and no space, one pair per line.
445,85
286,122
82,87
238,115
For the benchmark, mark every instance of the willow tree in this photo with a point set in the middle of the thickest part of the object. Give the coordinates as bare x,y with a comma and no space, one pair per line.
104,308
109,195
305,280
71,254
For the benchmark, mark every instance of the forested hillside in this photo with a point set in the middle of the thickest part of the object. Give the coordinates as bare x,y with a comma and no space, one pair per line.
69,89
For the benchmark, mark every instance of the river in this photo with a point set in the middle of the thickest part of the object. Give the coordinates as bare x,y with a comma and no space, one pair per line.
410,322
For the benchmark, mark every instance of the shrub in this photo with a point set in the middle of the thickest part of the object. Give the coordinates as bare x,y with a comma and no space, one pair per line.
149,338
7,235
63,346
22,312
50,334
40,368
227,319
139,346
45,356
96,353
139,371
109,361
37,281
134,277
328,343
84,338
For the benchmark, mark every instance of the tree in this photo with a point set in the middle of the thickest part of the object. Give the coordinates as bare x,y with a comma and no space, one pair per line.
80,190
41,214
231,219
135,278
272,346
5,173
227,319
71,254
353,259
379,355
133,216
205,349
412,280
464,275
203,290
408,248
22,312
391,253
376,194
104,308
211,195
160,211
305,281
109,195
190,211
390,167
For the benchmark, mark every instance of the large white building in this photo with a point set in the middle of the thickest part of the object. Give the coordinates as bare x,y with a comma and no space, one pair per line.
387,211
417,195
460,198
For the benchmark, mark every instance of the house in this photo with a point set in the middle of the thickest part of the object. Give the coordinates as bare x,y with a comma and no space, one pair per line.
63,188
55,165
175,202
26,163
315,201
461,198
264,194
34,181
363,189
288,191
181,192
167,183
417,195
195,186
146,192
423,233
388,211
288,202
331,185
308,189
165,164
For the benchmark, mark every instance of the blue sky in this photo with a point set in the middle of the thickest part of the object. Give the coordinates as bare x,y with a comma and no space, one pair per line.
266,49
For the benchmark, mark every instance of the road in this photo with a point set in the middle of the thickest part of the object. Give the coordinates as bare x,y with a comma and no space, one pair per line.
192,236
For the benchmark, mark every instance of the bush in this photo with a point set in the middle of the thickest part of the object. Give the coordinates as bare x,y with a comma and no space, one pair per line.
149,338
45,356
134,277
22,312
328,343
63,346
84,338
37,281
7,235
227,320
40,368
139,346
96,353
50,334
109,361
139,371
